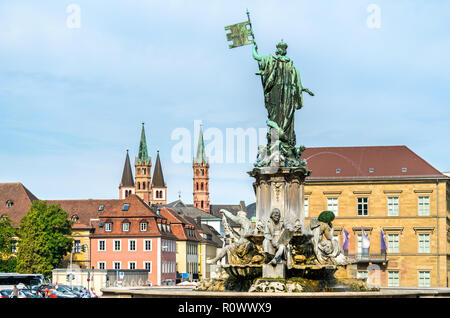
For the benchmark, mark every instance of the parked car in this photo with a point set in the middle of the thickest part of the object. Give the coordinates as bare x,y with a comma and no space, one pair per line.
67,290
4,293
56,292
8,293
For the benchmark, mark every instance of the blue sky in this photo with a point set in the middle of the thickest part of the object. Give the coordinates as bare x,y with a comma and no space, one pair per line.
72,100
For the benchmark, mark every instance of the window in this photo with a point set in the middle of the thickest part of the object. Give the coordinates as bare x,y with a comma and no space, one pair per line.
101,245
117,246
116,265
143,226
424,206
424,279
77,246
371,170
424,243
393,246
101,265
393,279
126,227
332,205
9,203
363,206
14,247
393,206
108,227
306,206
101,207
338,170
148,266
404,169
131,265
125,207
147,245
131,245
362,275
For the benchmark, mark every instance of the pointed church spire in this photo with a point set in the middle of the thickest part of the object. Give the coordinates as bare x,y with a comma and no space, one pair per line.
200,157
143,154
158,178
127,174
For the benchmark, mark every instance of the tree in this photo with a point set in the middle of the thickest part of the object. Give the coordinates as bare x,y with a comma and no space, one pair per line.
7,239
44,238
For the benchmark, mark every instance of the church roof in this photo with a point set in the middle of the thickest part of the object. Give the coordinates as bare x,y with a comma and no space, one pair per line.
158,177
127,174
142,157
201,156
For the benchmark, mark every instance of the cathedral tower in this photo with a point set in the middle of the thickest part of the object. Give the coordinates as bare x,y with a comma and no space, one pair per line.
126,186
143,165
200,167
159,187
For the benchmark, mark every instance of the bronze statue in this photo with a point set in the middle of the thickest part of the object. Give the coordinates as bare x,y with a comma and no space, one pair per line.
282,88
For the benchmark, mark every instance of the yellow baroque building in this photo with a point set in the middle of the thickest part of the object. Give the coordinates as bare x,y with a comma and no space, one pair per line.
389,190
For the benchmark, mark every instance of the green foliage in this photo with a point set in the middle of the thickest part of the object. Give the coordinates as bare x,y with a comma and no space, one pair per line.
8,265
7,235
44,238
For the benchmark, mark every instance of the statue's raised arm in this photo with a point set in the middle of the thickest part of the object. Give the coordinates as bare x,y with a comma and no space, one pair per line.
256,56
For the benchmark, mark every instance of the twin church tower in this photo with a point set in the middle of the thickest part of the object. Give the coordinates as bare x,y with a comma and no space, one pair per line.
154,190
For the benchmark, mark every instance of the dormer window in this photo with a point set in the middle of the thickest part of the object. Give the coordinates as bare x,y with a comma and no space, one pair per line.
75,218
371,170
125,207
338,170
126,227
101,208
143,226
108,227
9,203
404,169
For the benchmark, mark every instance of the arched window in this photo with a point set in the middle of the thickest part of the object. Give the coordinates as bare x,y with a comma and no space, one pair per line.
139,186
143,185
143,170
196,185
201,204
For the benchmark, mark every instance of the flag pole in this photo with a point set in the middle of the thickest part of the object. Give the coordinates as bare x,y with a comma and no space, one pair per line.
251,28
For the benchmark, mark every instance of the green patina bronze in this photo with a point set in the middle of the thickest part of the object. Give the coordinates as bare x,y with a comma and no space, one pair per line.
239,33
326,216
283,95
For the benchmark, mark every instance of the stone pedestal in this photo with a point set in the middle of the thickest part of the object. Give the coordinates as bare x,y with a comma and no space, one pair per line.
277,271
282,188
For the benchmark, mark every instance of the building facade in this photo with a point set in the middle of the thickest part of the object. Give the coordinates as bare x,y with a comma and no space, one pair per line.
187,246
390,192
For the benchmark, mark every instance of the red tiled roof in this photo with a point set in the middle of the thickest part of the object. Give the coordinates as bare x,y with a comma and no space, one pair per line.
375,162
179,224
112,211
20,197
